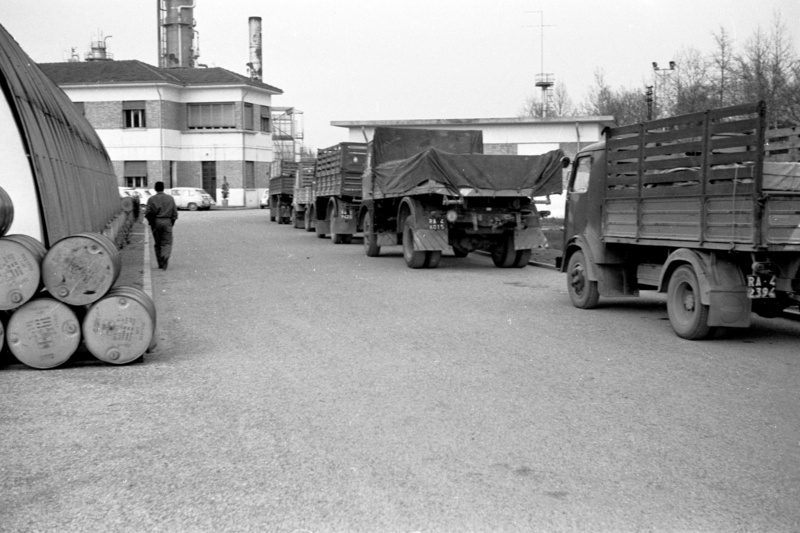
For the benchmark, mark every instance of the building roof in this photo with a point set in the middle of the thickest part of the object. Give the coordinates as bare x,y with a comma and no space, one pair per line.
134,71
605,120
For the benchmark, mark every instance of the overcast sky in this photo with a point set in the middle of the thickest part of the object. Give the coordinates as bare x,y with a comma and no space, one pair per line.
409,59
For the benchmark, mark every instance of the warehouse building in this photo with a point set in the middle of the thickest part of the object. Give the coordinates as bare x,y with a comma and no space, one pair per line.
187,127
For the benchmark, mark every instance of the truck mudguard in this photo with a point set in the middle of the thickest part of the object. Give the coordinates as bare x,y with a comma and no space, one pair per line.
722,286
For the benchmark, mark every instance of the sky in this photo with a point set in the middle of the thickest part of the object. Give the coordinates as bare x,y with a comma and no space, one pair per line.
344,60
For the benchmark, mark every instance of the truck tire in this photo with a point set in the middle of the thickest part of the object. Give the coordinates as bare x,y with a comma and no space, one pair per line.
522,258
687,315
309,219
458,251
504,255
413,258
371,248
432,258
582,291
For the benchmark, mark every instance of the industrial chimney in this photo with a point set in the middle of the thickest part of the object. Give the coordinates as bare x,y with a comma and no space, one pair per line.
255,48
176,33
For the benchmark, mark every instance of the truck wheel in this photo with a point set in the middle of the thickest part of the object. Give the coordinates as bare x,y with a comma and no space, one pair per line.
582,291
432,258
414,258
504,254
309,220
688,317
522,258
459,251
371,248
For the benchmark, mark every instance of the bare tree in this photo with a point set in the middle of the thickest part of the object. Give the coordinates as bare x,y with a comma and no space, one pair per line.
691,87
627,106
722,70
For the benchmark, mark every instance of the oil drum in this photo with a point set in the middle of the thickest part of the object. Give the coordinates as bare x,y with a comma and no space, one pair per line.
43,333
81,269
120,327
6,212
20,269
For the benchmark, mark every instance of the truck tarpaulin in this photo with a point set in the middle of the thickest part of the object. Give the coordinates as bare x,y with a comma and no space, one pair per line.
392,144
536,175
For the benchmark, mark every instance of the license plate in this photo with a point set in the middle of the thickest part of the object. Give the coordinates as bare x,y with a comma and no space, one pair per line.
760,287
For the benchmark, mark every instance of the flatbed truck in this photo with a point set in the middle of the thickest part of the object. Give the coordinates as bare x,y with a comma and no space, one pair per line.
704,207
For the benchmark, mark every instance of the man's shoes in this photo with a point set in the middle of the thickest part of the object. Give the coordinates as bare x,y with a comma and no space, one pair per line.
164,264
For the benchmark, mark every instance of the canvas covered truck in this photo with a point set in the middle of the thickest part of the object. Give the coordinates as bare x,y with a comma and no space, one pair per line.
337,191
434,190
704,207
303,192
281,190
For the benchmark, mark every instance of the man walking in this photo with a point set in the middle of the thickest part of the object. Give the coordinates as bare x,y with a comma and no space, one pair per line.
161,214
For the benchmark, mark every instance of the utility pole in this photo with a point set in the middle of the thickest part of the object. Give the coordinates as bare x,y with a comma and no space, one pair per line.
659,73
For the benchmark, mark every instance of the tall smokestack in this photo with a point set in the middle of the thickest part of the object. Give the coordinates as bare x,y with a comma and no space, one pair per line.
178,34
255,48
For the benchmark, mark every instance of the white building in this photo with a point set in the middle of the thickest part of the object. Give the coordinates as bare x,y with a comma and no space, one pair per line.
509,136
187,127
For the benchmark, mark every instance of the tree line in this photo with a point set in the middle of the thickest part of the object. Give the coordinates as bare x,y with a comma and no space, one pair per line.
766,67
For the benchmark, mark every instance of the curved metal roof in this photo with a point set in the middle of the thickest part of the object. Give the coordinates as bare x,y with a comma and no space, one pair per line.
75,180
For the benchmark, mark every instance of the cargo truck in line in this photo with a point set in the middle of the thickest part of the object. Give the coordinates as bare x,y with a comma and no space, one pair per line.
281,190
704,207
337,192
432,191
303,192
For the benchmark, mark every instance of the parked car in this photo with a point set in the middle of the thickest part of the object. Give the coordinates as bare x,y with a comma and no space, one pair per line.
144,195
265,199
191,198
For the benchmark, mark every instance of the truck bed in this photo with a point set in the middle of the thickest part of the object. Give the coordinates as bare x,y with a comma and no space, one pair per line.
339,170
704,180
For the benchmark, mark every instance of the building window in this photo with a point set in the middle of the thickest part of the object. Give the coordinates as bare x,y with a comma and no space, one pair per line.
249,175
133,114
211,116
266,125
248,117
136,174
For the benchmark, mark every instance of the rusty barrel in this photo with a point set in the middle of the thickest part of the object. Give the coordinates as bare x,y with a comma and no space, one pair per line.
81,269
43,333
6,212
127,203
120,327
21,259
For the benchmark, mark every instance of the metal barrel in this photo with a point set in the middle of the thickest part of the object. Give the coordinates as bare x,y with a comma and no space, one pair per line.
120,327
43,333
127,203
6,212
81,269
21,259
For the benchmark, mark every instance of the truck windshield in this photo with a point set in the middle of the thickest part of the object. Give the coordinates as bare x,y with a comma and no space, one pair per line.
580,182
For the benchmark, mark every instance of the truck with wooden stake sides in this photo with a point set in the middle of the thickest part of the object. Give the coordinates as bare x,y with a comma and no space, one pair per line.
337,191
281,190
704,207
435,190
303,192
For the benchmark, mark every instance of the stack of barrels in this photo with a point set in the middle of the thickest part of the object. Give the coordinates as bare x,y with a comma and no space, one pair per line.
54,301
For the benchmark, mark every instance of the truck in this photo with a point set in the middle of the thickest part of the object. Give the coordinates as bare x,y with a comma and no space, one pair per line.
337,191
704,207
281,190
431,191
303,192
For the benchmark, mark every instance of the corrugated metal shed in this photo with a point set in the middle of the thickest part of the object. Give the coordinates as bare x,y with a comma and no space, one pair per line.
75,181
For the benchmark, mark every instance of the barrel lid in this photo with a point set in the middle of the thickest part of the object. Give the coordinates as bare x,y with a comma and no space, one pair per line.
81,269
20,273
119,327
43,333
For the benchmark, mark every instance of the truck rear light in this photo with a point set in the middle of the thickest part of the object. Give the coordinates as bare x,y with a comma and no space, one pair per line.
452,216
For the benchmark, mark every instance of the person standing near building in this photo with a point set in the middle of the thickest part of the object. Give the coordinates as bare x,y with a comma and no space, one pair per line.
161,213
